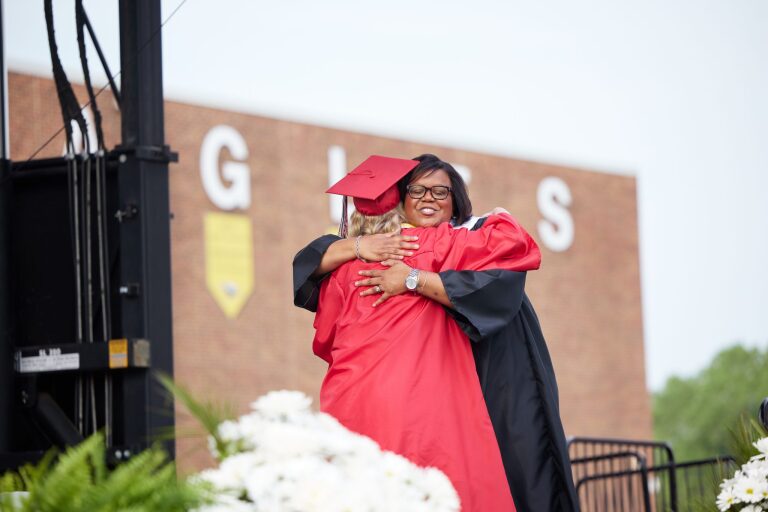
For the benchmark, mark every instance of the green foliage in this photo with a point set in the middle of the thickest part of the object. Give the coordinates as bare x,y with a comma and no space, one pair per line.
695,414
210,414
28,475
79,480
705,504
747,432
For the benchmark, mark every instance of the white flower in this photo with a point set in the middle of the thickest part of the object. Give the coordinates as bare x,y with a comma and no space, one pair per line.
441,491
725,499
320,486
749,484
232,472
228,430
282,404
749,490
756,468
284,457
762,446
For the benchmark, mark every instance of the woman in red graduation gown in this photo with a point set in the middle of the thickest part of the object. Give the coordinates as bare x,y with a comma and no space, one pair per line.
403,373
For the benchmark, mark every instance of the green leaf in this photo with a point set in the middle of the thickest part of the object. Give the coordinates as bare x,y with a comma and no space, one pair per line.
210,414
80,481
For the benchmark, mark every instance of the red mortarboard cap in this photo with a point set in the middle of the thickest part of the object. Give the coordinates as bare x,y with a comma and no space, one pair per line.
372,184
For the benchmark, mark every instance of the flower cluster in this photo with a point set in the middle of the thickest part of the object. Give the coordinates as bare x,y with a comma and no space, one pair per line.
284,457
747,491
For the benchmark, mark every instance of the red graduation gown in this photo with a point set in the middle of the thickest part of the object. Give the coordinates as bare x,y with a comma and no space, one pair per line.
403,373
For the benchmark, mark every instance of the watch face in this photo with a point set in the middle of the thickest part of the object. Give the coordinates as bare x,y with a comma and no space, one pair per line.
411,282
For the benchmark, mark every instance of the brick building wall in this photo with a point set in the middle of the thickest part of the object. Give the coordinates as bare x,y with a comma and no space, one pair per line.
587,296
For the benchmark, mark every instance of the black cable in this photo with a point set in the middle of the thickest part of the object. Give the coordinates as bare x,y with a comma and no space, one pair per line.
138,52
106,312
80,23
90,398
103,59
81,20
73,185
70,109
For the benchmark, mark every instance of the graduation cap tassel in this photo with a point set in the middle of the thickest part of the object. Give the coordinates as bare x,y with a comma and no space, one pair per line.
343,222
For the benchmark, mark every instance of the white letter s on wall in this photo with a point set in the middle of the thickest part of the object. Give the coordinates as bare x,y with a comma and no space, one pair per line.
556,229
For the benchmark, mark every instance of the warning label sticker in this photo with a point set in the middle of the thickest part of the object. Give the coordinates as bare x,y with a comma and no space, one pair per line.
48,363
118,353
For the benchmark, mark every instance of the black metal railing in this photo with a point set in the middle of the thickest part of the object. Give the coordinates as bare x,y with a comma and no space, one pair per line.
620,475
610,482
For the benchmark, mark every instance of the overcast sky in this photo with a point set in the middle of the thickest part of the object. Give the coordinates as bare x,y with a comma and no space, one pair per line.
674,93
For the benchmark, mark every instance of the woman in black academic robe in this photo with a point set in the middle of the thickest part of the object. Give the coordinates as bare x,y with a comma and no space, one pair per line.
511,356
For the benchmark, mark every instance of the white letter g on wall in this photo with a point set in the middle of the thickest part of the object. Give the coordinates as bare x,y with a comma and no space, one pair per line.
236,194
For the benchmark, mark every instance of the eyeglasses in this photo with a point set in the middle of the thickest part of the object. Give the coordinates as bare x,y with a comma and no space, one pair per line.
438,191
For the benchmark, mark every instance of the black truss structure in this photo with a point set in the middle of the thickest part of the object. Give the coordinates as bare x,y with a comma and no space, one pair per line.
85,305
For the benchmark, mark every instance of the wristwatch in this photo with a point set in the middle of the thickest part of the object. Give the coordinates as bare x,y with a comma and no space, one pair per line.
412,281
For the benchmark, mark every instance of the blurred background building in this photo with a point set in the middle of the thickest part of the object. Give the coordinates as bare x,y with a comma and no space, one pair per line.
627,138
247,194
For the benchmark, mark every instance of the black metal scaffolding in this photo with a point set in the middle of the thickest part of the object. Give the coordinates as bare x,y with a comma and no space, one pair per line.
85,306
145,247
6,357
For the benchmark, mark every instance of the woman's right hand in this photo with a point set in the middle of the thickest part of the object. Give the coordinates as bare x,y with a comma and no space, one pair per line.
387,246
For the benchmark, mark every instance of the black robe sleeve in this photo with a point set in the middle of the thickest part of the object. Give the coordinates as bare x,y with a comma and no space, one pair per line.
484,301
306,288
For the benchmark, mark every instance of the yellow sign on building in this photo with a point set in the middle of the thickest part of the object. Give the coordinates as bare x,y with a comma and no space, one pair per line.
229,260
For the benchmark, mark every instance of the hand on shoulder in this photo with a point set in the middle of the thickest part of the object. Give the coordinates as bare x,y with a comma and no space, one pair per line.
386,246
496,211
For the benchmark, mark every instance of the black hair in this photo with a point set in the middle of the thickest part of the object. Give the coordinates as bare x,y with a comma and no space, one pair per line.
462,206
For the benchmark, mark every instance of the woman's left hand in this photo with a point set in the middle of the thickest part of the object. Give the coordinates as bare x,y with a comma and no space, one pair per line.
496,211
388,282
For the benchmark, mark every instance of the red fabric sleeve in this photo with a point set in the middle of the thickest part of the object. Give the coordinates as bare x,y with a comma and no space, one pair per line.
501,243
328,312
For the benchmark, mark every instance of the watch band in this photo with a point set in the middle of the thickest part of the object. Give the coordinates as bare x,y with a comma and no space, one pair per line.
412,281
